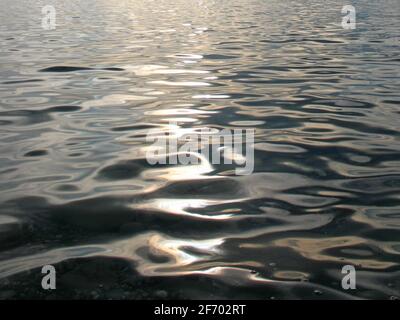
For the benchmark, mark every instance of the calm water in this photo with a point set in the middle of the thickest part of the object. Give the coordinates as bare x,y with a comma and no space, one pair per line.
76,190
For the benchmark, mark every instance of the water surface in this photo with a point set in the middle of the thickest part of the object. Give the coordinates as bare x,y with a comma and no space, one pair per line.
77,192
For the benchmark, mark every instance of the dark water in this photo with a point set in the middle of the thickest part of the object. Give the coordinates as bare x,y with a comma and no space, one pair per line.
76,190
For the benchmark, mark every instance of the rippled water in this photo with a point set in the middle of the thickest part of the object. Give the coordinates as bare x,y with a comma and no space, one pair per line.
77,192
